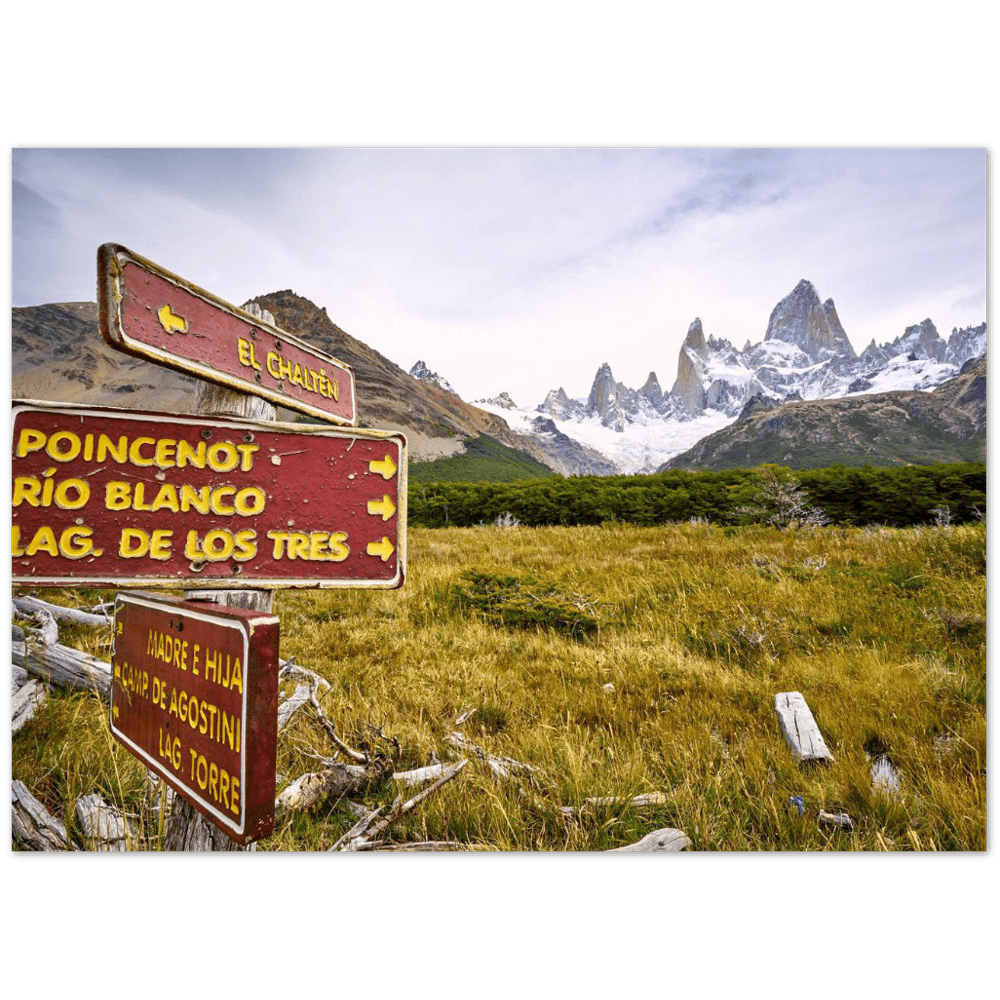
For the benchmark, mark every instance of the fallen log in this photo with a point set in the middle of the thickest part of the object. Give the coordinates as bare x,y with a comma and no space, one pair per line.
104,827
25,701
415,845
46,631
369,834
799,728
18,677
659,840
292,671
289,706
840,821
33,827
64,667
502,767
420,775
336,779
645,801
29,606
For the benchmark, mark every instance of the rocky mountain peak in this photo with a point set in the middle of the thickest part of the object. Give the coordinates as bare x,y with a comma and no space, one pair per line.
557,404
652,391
814,327
503,401
424,374
603,400
924,340
695,339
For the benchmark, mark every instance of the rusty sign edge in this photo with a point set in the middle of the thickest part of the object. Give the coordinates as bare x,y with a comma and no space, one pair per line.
109,303
173,583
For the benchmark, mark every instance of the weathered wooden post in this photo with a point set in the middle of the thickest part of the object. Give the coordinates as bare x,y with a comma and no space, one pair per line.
187,829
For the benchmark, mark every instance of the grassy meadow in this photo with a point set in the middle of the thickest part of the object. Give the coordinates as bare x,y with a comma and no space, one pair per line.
617,660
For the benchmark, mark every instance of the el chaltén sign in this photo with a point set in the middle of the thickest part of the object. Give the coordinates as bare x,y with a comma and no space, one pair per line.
150,313
113,497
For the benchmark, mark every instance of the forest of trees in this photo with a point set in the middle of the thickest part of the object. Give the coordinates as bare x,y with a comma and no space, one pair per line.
898,497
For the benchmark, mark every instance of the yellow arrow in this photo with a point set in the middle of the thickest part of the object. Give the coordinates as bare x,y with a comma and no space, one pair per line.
114,711
385,507
384,549
170,321
386,469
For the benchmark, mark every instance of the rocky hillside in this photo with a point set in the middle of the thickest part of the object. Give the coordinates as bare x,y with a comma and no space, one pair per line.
947,424
58,354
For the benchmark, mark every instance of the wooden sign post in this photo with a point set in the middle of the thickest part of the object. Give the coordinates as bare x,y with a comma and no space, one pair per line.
194,696
104,496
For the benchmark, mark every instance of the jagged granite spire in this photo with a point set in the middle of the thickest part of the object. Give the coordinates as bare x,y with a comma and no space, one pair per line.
603,399
814,327
689,390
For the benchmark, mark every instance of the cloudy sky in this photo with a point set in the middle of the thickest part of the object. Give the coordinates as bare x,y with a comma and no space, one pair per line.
524,269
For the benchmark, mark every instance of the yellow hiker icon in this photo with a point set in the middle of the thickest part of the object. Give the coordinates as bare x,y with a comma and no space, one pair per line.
170,321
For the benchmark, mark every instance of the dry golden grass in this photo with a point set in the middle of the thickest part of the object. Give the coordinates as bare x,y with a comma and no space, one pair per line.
882,630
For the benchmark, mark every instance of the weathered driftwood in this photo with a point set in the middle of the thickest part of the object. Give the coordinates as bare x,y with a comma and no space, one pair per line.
45,631
644,801
331,732
33,827
289,706
840,821
31,605
659,840
25,701
104,827
799,728
337,779
502,767
18,677
64,667
414,845
370,833
291,671
420,775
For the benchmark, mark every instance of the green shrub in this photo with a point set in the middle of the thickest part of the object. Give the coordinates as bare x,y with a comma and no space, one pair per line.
525,602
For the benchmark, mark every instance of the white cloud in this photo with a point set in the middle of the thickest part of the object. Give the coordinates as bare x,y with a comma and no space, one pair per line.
521,270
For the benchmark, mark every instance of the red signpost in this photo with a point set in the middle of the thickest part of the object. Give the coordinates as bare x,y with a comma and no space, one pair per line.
194,696
121,498
150,313
125,498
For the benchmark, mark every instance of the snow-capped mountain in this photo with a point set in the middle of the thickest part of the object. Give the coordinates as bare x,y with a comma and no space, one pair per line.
424,374
805,355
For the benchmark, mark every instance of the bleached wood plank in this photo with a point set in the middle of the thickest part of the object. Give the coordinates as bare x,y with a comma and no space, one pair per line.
33,827
27,605
659,840
25,701
64,667
103,825
799,728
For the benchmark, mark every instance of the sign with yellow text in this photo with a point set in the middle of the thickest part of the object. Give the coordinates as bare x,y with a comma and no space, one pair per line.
124,498
194,696
148,312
